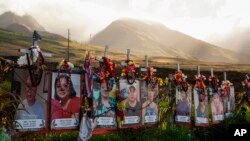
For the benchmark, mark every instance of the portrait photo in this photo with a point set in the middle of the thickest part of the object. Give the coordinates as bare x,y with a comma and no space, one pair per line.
65,100
229,102
31,114
201,107
217,108
133,102
149,98
104,105
183,105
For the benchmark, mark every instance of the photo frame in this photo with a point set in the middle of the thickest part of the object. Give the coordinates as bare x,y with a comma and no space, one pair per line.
132,113
65,101
229,103
45,82
183,106
32,111
149,96
104,105
217,108
201,107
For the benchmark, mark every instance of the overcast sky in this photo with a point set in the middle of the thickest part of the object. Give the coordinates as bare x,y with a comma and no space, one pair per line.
209,20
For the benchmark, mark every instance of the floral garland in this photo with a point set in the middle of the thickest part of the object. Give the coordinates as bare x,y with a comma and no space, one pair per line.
88,75
107,70
246,84
110,67
66,65
199,83
214,82
149,74
225,88
150,78
131,66
180,79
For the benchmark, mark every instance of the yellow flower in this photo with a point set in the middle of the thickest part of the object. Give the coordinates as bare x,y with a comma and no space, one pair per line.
130,63
160,82
166,81
121,105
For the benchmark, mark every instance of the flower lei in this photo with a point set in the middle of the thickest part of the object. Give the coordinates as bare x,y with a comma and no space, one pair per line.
180,79
107,70
225,87
150,78
131,66
246,84
214,82
149,74
199,83
66,65
87,67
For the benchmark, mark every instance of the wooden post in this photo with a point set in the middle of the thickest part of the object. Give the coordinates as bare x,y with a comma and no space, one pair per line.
106,50
146,61
68,45
128,54
178,67
198,70
247,77
212,72
225,76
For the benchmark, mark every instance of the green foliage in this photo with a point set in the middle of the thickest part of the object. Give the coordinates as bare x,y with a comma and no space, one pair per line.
63,136
5,86
148,134
8,106
4,136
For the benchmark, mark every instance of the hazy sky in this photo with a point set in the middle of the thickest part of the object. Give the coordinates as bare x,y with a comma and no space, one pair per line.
209,20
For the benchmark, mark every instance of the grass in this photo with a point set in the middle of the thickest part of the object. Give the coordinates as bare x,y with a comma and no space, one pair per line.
10,42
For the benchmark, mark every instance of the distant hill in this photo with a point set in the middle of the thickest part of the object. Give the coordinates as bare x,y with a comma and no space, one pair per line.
9,18
25,25
238,40
15,27
154,39
10,42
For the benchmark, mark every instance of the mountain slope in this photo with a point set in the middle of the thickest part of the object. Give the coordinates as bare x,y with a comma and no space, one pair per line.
25,25
15,27
154,39
9,18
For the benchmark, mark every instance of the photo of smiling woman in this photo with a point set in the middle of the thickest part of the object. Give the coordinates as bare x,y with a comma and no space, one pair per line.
104,105
65,102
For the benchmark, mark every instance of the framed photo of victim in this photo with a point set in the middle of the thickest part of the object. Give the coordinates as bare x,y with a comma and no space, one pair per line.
201,107
104,105
31,114
149,94
183,105
133,102
65,100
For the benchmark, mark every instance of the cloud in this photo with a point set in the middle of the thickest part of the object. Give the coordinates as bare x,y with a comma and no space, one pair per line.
81,17
237,40
209,20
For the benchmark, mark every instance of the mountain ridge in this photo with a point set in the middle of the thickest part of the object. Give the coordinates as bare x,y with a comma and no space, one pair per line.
156,39
9,18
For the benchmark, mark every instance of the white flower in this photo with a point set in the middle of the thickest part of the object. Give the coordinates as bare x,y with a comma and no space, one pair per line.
23,59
